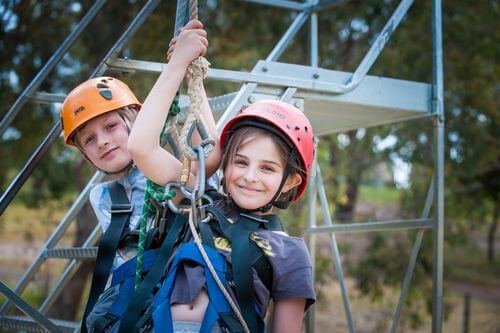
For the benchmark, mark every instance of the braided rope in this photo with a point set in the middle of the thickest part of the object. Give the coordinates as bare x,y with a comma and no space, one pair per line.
197,71
193,10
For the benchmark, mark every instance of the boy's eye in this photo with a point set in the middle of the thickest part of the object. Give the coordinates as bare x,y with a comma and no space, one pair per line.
88,139
111,125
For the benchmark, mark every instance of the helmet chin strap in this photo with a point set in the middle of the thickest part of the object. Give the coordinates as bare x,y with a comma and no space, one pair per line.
125,169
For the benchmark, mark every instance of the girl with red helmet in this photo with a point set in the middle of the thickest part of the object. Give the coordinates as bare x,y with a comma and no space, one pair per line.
268,153
268,150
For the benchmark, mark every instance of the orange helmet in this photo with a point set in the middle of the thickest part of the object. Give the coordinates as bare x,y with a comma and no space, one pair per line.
93,98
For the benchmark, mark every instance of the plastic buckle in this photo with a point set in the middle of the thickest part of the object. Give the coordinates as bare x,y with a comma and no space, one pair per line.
121,208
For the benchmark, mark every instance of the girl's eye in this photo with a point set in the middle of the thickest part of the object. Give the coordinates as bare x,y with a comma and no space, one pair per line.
268,168
240,162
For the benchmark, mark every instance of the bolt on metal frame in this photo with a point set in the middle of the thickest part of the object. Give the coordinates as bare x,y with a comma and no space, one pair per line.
257,83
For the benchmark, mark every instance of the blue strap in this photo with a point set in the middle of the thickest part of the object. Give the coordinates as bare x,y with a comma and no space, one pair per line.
162,316
127,270
125,276
145,290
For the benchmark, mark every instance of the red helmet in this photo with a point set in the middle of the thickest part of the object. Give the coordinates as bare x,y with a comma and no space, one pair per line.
286,121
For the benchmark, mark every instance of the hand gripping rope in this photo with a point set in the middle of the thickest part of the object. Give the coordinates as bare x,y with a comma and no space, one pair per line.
197,71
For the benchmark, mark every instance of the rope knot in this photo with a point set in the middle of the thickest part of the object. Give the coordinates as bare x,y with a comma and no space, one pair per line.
198,68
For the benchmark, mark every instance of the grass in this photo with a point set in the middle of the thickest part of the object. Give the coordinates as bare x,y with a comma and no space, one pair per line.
30,224
379,195
469,264
376,316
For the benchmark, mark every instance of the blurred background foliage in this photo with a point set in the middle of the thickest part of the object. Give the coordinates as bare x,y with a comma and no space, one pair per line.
392,163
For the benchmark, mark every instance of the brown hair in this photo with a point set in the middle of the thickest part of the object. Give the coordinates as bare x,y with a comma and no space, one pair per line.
288,155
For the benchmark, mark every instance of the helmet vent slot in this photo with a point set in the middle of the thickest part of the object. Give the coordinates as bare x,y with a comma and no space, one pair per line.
107,94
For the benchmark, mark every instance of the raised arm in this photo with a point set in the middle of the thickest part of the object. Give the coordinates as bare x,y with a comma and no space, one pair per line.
155,162
213,160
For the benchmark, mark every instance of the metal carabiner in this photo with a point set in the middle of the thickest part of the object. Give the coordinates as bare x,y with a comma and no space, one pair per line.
188,194
162,223
205,142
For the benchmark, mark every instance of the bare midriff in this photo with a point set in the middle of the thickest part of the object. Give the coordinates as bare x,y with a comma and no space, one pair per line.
194,311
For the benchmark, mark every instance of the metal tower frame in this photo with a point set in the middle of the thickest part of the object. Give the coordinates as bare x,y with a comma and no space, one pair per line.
354,99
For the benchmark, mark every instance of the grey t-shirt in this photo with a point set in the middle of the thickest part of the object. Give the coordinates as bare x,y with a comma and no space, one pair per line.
288,257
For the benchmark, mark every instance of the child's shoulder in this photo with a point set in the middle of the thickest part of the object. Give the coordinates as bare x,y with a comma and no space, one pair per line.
282,243
99,189
99,194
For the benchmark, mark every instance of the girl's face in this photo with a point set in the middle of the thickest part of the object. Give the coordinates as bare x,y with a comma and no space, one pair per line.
104,140
254,174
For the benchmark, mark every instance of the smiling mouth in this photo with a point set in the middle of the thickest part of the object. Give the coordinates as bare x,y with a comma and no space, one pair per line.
106,154
249,189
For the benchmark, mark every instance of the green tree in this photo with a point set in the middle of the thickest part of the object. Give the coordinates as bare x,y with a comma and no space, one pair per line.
240,34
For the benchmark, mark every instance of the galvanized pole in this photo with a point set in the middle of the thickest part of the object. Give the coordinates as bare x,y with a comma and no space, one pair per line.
413,259
313,38
438,112
311,237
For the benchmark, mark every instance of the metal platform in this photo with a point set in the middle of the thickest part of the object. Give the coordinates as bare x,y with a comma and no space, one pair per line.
375,101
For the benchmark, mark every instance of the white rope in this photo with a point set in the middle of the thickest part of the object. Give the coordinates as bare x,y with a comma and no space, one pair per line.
197,71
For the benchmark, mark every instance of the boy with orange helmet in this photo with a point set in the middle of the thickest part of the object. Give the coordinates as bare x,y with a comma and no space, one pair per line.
97,118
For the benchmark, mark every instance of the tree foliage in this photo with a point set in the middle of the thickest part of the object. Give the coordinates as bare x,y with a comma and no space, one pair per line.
240,34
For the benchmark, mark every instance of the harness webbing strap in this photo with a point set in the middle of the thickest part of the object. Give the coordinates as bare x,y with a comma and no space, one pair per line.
120,214
245,251
145,290
242,270
207,235
218,304
259,261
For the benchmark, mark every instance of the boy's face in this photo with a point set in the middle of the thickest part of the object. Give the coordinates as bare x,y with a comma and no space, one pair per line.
104,140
